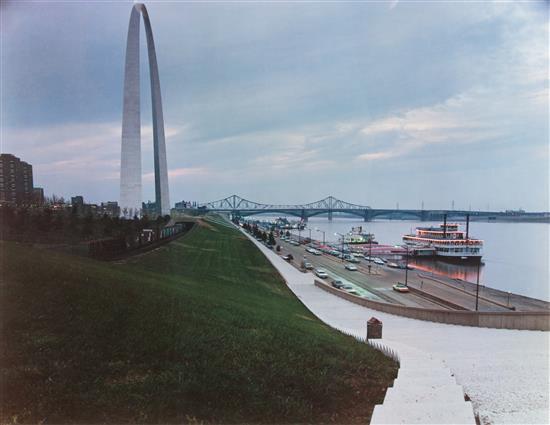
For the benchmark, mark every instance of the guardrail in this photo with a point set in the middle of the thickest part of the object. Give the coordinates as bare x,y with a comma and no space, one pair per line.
535,320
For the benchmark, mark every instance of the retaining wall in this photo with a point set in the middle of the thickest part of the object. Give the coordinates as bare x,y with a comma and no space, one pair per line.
536,320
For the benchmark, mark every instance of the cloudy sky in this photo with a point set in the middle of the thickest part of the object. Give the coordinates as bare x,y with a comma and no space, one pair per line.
283,102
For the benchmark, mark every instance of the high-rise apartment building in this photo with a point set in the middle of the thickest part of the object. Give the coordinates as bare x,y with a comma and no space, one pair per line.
16,184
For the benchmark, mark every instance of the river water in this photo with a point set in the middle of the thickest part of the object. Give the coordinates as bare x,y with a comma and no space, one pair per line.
515,255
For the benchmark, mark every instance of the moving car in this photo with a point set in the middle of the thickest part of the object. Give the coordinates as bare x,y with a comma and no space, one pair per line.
288,257
321,273
400,287
351,267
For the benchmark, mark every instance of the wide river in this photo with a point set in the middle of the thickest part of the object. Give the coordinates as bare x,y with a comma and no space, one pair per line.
515,255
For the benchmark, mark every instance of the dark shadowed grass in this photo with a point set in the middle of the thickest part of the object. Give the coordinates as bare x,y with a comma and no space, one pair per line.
202,329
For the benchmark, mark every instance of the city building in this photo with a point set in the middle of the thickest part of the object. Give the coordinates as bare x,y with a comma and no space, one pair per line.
77,201
38,196
183,205
149,209
110,208
16,183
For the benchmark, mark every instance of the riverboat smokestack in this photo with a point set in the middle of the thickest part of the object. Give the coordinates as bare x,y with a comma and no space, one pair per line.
467,226
444,226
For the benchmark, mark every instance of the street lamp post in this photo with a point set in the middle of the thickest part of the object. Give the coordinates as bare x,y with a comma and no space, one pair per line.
299,234
477,285
309,235
319,230
342,236
406,265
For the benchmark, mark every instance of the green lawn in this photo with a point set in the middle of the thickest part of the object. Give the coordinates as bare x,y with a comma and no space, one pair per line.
199,330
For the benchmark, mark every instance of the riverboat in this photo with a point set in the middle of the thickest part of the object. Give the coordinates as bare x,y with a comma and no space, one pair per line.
446,242
358,237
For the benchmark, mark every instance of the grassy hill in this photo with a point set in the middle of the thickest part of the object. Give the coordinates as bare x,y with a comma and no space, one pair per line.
199,330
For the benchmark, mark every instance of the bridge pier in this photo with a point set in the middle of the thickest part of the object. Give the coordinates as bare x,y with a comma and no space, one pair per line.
304,216
330,215
366,215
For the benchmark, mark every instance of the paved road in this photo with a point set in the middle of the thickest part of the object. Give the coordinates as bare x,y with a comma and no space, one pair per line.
505,372
381,279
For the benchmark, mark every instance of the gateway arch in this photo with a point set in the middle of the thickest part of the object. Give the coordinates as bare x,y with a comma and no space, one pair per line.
130,164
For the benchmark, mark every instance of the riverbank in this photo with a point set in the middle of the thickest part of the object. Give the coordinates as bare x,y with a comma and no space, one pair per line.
515,255
504,372
200,329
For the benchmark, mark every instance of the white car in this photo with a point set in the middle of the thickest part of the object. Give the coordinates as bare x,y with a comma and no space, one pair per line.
351,267
321,273
379,261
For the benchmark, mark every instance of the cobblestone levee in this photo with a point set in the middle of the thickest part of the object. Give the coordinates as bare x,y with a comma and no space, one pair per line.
504,372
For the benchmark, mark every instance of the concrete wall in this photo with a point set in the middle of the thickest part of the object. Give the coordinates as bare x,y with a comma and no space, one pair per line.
500,320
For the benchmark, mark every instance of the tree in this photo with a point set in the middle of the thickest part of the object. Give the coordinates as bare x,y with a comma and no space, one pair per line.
271,239
21,220
7,218
45,220
88,225
287,234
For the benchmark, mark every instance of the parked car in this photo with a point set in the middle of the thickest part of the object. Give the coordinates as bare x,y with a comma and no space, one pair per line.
379,261
321,273
337,284
400,287
308,266
351,267
351,258
393,265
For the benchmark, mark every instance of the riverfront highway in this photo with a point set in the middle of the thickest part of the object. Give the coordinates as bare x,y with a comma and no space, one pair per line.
437,292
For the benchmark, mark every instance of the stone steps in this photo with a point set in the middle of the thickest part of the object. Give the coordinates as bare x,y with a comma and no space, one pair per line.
424,392
424,413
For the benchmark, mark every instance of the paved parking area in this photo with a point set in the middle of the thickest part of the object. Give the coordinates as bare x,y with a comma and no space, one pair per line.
504,372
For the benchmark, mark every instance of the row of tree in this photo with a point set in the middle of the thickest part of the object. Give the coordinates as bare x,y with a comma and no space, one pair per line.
257,232
46,225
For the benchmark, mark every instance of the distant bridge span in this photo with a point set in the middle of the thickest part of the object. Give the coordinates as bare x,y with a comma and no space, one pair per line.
236,205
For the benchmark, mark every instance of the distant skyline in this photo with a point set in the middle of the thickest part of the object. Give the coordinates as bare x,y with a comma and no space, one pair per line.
375,103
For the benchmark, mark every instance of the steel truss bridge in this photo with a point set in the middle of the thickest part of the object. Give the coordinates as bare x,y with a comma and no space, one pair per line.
330,205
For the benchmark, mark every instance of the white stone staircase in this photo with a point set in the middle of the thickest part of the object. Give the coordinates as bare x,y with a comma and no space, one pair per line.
424,392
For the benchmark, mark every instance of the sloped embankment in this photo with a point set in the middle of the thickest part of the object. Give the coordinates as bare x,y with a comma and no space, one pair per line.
200,329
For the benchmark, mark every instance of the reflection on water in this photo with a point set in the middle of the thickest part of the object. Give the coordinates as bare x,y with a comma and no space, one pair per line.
466,272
